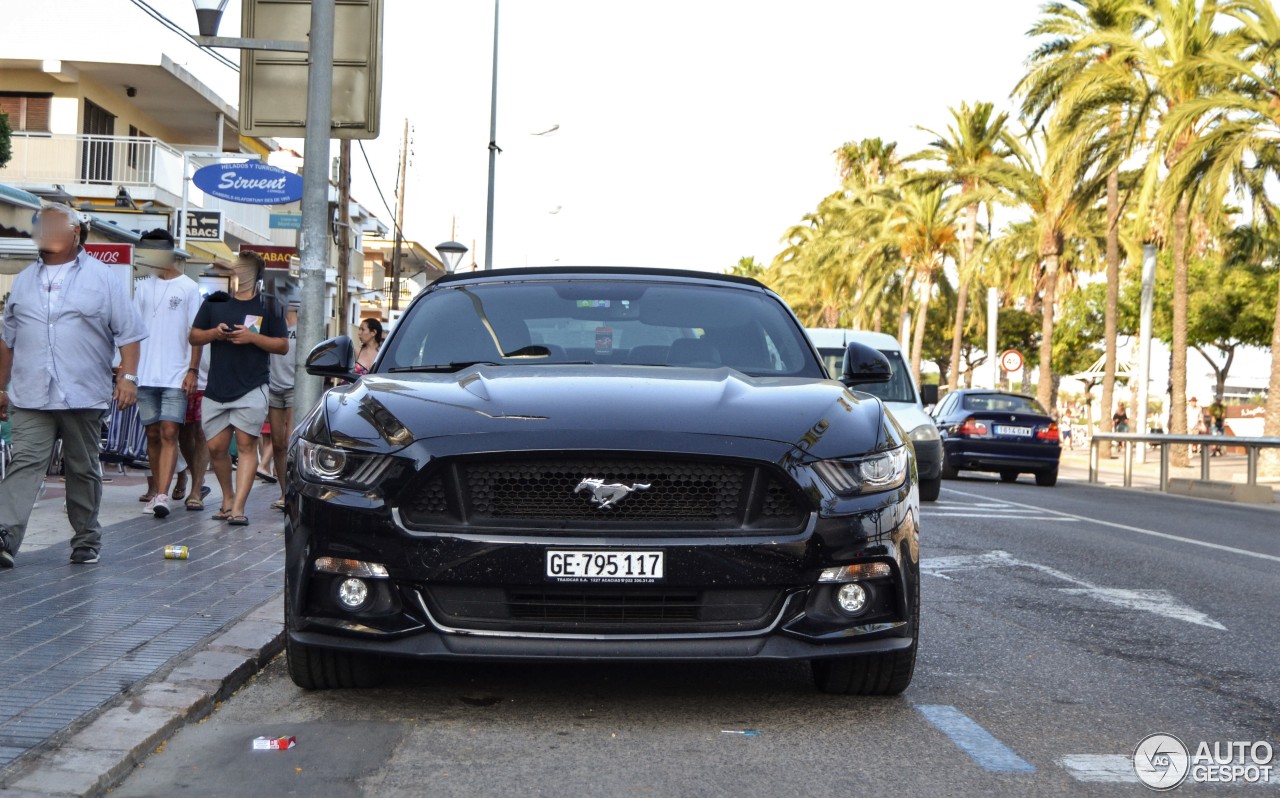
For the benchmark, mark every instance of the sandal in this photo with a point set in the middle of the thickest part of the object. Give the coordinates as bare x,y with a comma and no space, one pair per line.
223,514
194,505
180,489
267,478
239,520
146,497
278,504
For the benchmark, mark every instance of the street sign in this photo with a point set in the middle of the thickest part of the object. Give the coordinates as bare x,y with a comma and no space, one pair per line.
111,254
249,182
202,225
1011,360
274,257
273,85
286,221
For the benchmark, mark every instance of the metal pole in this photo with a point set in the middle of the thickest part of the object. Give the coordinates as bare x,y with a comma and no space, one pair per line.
1093,459
1206,452
399,237
1144,341
1164,466
1128,463
1251,455
993,317
344,237
182,217
493,146
313,246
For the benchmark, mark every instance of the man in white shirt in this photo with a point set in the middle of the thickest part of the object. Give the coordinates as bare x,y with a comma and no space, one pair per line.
167,301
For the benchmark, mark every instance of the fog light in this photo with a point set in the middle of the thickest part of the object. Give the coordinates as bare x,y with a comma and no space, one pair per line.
353,593
852,598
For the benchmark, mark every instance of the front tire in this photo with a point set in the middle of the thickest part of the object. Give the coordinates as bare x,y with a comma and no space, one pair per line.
314,668
948,471
1047,479
872,674
930,489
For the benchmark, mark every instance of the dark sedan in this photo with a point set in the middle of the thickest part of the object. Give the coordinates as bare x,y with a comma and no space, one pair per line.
601,464
1005,433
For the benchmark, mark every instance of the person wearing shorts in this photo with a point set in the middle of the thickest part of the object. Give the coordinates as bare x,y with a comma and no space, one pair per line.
280,401
242,330
167,300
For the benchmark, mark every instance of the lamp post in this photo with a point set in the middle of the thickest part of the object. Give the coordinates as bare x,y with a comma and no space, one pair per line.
313,244
493,145
451,253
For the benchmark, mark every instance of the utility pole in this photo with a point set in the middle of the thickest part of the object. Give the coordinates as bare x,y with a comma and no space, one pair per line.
395,255
313,246
493,146
344,236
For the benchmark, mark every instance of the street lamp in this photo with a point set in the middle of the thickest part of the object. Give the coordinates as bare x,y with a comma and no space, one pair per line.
209,14
451,253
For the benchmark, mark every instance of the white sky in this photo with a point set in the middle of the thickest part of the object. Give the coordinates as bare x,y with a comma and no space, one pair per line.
691,133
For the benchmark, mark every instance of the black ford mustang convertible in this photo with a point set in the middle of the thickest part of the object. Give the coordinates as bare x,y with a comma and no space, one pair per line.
601,464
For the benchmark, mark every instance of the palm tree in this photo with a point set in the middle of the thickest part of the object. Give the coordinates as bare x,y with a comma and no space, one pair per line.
1081,78
1237,141
975,138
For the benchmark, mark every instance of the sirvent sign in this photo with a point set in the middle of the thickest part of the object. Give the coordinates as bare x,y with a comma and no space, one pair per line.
251,182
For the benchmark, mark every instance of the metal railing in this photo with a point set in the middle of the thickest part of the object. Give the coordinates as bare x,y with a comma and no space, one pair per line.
1207,443
106,160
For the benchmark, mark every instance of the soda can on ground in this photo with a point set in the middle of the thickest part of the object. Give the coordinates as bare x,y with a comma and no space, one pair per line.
176,552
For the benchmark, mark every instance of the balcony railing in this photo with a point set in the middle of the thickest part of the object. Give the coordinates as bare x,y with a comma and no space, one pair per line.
103,160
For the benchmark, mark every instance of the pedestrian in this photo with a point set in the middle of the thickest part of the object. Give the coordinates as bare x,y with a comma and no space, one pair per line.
1120,419
280,401
169,366
191,440
1216,420
1064,427
370,335
243,329
67,316
1195,421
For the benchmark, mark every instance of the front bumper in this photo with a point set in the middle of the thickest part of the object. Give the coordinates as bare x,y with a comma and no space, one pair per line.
402,618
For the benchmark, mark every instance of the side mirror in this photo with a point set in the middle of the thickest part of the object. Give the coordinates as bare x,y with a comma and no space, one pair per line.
929,394
335,357
862,364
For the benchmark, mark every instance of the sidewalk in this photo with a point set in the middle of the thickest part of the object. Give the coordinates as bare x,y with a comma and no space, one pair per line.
1146,476
75,638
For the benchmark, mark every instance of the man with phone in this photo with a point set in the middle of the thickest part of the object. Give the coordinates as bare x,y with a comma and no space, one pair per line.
243,329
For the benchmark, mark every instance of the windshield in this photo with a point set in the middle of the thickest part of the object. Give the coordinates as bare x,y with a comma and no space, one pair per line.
1003,403
601,321
897,389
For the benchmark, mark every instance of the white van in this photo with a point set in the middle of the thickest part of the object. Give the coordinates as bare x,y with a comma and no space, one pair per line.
899,395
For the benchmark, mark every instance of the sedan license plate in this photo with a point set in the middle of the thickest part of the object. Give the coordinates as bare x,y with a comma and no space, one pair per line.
627,567
1017,432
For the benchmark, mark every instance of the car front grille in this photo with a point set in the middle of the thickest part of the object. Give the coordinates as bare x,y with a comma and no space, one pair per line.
601,610
545,493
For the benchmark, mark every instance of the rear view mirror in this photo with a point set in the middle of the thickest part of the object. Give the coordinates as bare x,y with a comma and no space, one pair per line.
335,357
929,394
863,364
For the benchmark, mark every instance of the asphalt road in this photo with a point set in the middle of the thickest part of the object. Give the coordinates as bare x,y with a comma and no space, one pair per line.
1060,627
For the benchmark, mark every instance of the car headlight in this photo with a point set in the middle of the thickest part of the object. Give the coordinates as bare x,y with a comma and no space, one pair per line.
855,475
924,432
328,464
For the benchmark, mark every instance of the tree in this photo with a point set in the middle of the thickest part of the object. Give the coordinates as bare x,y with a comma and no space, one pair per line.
1081,77
976,137
747,267
6,137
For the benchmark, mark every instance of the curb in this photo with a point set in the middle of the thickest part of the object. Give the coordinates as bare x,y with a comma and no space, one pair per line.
102,754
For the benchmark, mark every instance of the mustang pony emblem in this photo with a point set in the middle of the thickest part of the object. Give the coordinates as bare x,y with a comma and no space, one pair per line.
608,494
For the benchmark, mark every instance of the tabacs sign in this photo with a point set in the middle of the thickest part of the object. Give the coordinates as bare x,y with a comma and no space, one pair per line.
202,225
250,182
273,257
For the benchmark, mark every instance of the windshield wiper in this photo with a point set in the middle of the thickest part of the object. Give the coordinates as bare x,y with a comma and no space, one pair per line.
457,365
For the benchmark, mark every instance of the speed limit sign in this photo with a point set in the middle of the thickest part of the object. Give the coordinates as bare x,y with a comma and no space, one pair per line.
1011,360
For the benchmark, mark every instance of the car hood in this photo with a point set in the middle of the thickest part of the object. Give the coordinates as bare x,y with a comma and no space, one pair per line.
603,407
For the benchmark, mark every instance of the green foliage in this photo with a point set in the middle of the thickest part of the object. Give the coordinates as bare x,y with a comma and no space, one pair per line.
6,140
1078,335
748,267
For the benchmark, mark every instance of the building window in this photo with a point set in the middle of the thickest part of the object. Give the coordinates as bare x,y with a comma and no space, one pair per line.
27,113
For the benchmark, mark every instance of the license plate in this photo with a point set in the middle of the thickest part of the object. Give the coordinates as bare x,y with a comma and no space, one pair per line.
604,566
1018,432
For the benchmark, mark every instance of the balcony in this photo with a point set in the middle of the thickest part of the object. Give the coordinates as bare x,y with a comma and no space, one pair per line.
95,166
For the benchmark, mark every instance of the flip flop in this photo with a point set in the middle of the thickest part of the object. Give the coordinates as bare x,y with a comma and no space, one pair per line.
278,504
146,497
239,520
194,505
180,489
223,514
205,491
267,478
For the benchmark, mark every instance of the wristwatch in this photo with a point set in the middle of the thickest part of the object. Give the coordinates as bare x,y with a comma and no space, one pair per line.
133,378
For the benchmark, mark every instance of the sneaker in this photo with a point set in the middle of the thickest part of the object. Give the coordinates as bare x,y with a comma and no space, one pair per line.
84,556
159,506
6,556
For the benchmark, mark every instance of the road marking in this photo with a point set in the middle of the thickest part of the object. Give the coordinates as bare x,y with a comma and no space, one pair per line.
977,742
1157,602
933,514
1109,768
1138,529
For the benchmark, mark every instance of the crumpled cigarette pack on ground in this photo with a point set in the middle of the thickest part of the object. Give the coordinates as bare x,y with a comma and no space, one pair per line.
274,743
